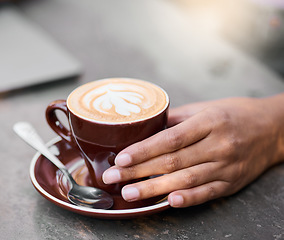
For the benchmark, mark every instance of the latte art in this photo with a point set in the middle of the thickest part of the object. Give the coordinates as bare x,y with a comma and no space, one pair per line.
117,100
124,99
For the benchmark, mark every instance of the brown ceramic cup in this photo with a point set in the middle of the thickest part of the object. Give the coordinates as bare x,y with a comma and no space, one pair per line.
100,140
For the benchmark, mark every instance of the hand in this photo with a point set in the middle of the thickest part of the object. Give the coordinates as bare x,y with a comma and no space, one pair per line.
210,150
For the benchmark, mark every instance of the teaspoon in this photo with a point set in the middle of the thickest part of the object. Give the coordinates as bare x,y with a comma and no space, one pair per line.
79,195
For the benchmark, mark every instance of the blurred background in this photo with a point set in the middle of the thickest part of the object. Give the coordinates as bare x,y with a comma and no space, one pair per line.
216,44
255,26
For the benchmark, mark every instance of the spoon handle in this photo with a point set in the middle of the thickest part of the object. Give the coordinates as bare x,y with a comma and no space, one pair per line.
30,136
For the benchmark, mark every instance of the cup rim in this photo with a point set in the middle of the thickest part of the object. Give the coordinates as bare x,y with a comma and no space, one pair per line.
125,122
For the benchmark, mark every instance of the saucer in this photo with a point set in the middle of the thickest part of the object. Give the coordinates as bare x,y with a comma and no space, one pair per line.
52,185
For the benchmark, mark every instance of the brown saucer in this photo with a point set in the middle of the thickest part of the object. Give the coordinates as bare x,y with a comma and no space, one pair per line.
50,183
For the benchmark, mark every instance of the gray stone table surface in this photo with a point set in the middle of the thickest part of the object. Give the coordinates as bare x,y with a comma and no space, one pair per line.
162,42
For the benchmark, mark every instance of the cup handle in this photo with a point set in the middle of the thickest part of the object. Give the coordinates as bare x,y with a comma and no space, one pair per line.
55,123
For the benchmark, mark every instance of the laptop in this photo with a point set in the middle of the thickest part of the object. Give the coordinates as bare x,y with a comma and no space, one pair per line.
28,55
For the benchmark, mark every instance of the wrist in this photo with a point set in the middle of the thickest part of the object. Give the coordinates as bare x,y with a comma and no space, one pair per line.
274,115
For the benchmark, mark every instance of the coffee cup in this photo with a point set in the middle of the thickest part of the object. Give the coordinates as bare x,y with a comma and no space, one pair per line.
106,116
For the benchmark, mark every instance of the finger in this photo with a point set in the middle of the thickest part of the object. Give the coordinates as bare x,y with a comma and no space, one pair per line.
183,179
198,195
169,140
167,163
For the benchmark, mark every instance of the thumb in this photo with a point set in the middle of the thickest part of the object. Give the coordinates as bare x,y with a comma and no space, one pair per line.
180,114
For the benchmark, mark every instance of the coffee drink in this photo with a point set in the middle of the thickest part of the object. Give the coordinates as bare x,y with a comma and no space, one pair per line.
117,100
106,116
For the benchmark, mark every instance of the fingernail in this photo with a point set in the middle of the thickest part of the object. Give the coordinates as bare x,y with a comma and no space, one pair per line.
130,193
111,176
176,200
123,159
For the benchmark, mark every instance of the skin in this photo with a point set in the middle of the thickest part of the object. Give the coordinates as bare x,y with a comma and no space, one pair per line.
209,150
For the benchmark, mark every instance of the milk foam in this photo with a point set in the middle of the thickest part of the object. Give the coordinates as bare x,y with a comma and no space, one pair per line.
117,100
124,98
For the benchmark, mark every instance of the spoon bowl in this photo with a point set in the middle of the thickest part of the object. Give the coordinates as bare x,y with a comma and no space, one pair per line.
79,195
92,197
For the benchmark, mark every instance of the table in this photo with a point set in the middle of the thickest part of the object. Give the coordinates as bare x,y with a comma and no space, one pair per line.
162,42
